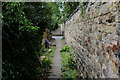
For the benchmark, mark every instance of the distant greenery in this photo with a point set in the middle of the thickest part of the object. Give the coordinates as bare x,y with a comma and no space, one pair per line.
68,63
83,6
45,15
69,7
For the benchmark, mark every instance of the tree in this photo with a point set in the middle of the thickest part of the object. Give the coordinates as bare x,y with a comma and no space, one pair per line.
23,25
69,7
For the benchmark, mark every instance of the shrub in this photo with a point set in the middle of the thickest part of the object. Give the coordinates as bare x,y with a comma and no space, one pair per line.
21,44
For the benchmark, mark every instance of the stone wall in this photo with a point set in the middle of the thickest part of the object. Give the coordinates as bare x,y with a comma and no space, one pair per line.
95,39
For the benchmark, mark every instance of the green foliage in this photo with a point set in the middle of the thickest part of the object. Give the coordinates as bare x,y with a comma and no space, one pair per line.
49,55
56,15
69,73
83,6
22,40
68,63
43,14
69,7
65,49
46,62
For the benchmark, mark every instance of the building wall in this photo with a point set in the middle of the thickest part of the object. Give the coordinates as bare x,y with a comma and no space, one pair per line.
95,39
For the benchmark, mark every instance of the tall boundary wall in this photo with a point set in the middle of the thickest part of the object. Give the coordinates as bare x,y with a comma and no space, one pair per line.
95,39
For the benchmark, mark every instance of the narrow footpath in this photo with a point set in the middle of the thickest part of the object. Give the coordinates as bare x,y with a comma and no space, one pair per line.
56,63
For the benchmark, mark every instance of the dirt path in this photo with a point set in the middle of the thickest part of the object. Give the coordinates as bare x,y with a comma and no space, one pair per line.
56,63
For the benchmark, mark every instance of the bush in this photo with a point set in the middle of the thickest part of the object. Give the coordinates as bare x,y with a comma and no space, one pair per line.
21,44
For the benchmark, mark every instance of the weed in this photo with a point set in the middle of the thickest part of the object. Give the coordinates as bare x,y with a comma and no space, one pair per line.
46,61
66,48
68,63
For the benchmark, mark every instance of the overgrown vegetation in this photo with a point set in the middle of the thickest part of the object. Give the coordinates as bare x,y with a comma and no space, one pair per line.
65,49
46,60
68,63
22,34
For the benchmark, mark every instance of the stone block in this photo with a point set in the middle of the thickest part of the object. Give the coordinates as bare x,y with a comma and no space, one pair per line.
100,46
101,28
107,46
103,19
93,42
110,29
91,15
114,66
113,8
117,18
96,20
94,28
104,8
96,12
113,42
98,36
